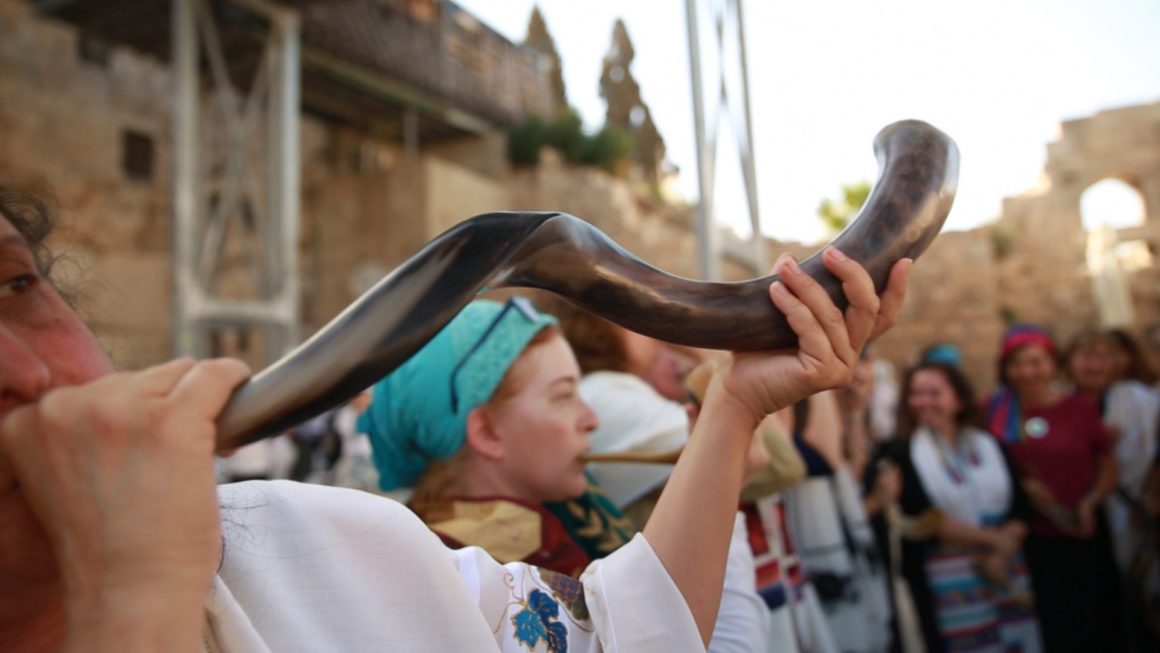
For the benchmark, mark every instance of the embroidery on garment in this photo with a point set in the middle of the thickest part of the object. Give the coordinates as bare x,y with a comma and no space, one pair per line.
594,522
568,591
537,617
538,621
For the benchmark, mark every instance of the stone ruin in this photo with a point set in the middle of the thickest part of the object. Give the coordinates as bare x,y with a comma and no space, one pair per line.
367,204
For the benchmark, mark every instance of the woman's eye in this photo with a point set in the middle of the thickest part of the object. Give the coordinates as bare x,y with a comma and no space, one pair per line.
20,285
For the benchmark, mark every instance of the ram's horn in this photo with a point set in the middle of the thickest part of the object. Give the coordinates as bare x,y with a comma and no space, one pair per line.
918,170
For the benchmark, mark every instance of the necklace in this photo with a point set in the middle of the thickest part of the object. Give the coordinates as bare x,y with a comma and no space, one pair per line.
953,462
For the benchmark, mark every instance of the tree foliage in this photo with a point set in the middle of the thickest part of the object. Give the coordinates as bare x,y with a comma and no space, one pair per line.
837,213
605,149
539,39
625,109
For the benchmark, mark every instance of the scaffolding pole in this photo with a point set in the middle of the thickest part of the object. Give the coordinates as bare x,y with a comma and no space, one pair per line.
236,181
727,19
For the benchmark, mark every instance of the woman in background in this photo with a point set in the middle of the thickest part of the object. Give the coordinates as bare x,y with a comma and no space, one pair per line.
1063,456
488,424
1101,369
966,576
111,536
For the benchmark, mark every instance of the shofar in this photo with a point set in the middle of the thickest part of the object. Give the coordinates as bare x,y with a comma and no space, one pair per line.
557,252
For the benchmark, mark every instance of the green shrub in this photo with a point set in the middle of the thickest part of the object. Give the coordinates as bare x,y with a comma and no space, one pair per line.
605,149
525,141
566,134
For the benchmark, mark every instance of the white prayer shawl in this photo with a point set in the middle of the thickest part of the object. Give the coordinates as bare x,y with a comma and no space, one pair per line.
1132,408
983,489
315,568
819,513
633,417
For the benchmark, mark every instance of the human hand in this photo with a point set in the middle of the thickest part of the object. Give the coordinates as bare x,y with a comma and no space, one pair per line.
1007,540
888,485
119,475
993,567
1038,491
1086,511
829,341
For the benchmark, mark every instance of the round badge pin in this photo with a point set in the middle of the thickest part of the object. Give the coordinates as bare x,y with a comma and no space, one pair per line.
1036,427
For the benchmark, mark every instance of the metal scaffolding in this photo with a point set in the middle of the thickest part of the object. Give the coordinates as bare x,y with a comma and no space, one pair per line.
236,170
729,95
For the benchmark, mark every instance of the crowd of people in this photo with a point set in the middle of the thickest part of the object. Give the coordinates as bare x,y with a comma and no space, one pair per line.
876,516
567,484
115,534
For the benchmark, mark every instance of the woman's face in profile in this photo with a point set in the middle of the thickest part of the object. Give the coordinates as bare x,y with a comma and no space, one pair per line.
658,364
545,424
43,343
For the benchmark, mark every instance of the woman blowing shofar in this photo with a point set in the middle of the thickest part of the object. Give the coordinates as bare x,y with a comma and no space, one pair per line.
111,536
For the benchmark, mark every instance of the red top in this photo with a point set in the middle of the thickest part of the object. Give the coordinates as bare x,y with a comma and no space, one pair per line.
1065,457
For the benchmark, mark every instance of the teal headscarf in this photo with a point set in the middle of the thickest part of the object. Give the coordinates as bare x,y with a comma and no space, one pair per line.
418,413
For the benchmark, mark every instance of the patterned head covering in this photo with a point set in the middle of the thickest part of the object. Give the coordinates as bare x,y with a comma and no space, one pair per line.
1004,416
418,413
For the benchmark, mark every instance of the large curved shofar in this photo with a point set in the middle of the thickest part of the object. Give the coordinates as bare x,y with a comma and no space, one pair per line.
918,171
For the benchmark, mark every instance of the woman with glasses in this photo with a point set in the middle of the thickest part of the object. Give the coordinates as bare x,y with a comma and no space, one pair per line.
486,423
484,462
114,535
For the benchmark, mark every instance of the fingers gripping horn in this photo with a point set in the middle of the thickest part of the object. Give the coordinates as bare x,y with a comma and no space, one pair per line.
918,171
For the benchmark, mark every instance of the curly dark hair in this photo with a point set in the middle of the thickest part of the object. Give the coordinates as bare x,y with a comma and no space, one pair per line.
31,211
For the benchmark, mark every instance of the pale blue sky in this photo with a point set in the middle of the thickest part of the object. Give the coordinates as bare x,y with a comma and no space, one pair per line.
825,75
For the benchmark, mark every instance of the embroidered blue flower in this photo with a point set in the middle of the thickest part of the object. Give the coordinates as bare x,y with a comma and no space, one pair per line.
538,621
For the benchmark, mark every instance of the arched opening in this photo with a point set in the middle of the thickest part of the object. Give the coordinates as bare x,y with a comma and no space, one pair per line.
1111,202
1106,207
1117,205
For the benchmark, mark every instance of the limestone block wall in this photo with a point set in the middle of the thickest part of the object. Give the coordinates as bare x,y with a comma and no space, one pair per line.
62,122
367,205
658,233
953,297
1044,277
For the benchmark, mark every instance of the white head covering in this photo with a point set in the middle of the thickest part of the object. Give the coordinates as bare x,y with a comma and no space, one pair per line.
633,417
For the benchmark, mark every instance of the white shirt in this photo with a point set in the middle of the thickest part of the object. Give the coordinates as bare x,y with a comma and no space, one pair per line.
1133,407
315,568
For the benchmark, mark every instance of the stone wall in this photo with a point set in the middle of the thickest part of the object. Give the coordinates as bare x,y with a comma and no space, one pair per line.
62,121
368,204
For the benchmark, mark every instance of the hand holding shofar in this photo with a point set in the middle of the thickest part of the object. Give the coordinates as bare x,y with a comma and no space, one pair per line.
918,171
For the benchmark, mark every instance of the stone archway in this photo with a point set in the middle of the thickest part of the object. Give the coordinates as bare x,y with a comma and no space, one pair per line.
1108,207
1045,278
1031,265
